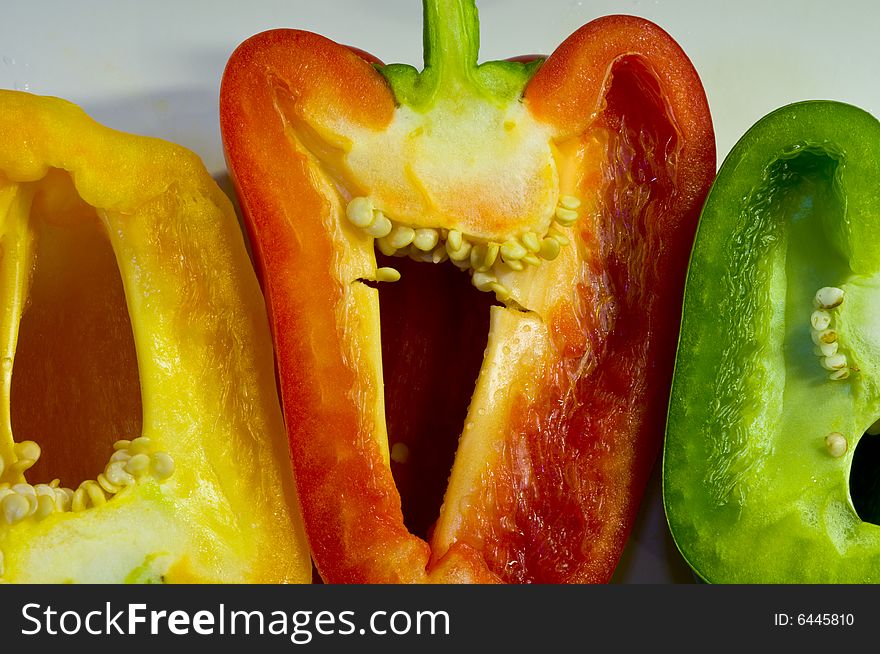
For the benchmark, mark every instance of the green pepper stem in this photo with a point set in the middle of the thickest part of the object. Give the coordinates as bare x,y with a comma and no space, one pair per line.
451,43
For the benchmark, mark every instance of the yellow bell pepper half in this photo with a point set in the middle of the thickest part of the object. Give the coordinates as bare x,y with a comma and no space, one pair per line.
141,437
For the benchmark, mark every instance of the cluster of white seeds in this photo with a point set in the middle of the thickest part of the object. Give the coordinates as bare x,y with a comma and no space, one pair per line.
824,336
131,460
483,259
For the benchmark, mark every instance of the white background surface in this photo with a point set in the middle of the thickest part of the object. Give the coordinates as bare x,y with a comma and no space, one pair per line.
155,67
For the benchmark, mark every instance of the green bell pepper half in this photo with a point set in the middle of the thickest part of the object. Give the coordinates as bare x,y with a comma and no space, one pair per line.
769,475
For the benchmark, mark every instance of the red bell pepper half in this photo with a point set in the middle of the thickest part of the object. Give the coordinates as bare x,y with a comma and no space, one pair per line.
500,421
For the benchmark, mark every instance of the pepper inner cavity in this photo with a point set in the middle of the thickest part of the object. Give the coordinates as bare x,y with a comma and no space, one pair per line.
431,357
802,201
864,476
74,387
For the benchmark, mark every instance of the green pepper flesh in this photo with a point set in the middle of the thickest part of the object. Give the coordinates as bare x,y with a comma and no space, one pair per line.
751,491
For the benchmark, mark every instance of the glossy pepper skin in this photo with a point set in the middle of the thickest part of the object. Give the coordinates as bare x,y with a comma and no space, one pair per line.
606,148
133,234
767,476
